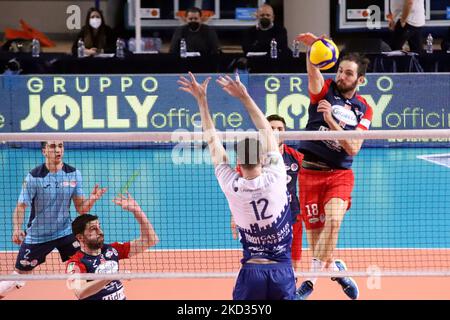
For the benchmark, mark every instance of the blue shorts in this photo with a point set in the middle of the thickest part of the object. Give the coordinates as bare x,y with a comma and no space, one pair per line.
265,282
32,255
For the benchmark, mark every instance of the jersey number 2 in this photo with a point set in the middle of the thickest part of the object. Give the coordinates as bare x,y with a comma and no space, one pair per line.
260,216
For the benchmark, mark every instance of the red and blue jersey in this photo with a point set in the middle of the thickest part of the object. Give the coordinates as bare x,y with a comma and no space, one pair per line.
106,262
349,114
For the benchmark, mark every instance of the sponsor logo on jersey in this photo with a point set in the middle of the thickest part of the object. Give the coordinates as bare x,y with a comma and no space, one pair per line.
344,114
118,295
71,184
24,263
107,267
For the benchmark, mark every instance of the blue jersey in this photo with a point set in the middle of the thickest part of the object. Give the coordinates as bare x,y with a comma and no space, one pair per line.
293,162
106,262
261,209
349,114
48,195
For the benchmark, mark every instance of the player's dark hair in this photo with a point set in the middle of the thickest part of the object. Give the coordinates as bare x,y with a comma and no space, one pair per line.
193,10
360,60
80,222
275,117
248,153
43,144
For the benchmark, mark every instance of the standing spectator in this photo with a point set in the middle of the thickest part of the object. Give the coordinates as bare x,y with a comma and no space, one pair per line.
258,38
406,20
97,36
199,36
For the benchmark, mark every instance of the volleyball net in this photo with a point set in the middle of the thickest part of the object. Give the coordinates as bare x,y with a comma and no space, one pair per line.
398,223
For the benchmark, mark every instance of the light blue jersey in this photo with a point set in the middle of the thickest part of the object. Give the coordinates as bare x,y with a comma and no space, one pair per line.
49,195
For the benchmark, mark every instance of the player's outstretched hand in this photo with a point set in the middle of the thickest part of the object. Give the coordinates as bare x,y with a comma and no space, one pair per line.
97,192
197,90
126,202
234,88
308,38
18,236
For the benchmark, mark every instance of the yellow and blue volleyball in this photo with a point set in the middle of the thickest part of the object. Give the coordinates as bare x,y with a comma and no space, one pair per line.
324,54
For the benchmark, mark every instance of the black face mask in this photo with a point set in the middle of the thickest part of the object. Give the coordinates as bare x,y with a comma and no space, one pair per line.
264,22
194,25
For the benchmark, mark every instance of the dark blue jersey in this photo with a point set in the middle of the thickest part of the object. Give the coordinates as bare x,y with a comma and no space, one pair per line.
293,162
106,262
349,114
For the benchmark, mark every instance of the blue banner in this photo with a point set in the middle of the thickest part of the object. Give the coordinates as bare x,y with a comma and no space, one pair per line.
112,103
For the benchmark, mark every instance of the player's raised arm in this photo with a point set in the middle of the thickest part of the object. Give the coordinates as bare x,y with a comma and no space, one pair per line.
198,91
148,237
83,205
315,77
236,89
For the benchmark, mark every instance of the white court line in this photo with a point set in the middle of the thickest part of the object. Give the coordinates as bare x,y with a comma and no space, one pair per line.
429,158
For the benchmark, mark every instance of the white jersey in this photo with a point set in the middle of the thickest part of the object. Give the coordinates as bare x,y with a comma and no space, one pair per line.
416,16
260,208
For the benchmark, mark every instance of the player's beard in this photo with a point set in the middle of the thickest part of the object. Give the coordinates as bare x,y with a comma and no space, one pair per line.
95,244
343,89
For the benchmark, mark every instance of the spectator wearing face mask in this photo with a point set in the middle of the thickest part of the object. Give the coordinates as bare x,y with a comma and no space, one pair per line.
97,36
199,37
258,38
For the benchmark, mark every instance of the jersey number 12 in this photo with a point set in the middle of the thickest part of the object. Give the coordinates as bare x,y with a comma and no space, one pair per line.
260,214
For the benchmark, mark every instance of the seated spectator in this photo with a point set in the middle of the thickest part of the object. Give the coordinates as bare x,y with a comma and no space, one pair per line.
199,36
445,45
258,38
97,36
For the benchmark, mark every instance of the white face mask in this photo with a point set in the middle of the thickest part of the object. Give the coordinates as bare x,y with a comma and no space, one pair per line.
95,22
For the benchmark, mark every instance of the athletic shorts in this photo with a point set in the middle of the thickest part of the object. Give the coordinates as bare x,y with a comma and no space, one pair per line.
319,187
297,239
32,255
265,282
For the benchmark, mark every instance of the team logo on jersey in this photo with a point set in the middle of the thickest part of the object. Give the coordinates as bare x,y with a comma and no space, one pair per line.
322,218
111,252
294,167
34,263
344,115
76,244
71,267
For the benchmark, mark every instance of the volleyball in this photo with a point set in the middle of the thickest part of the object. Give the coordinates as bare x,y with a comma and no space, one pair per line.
324,54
